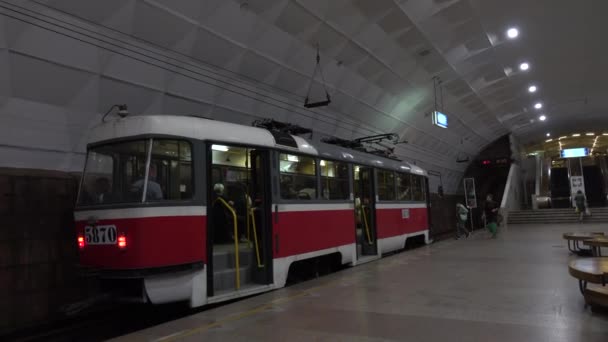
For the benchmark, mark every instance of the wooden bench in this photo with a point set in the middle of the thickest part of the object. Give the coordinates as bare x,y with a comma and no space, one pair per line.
574,240
596,245
596,296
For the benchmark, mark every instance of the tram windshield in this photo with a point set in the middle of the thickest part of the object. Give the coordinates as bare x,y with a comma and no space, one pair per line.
121,172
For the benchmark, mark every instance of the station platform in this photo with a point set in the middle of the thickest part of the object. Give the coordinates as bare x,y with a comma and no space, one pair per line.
513,288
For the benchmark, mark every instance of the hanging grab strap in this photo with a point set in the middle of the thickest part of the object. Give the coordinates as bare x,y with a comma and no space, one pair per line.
327,101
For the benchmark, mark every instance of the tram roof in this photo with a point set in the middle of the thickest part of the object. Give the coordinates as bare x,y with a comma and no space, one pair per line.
225,132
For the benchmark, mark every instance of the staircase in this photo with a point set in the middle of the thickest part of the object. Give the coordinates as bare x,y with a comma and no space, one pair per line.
224,271
566,215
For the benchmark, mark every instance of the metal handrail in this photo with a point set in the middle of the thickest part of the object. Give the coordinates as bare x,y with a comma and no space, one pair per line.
369,237
255,237
236,242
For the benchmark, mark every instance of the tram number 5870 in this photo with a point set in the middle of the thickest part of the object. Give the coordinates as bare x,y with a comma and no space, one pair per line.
100,235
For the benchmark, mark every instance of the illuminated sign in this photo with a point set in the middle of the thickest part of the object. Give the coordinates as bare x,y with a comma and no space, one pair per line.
574,152
440,119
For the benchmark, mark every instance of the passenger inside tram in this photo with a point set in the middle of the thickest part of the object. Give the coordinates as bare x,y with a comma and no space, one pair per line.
103,191
241,202
287,187
154,191
221,217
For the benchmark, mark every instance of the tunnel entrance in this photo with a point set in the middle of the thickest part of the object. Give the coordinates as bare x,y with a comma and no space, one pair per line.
560,188
594,186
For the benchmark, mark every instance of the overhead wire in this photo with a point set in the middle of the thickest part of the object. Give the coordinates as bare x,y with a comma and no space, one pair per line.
296,108
353,126
292,107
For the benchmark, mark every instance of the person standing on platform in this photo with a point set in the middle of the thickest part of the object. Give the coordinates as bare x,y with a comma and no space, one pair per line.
491,213
462,215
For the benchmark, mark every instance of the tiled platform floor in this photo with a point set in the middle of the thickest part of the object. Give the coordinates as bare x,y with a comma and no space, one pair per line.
514,288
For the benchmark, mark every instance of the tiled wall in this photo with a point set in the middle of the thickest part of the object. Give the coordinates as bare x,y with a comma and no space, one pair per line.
38,254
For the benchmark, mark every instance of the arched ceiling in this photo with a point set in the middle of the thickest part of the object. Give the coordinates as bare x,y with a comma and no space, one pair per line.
67,61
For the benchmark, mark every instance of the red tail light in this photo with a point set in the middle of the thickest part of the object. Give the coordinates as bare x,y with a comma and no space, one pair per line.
81,241
122,241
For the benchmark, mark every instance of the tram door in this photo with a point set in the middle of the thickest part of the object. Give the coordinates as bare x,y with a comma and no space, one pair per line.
365,211
238,219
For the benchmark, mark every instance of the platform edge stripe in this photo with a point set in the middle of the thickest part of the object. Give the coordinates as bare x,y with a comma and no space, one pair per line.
106,214
400,205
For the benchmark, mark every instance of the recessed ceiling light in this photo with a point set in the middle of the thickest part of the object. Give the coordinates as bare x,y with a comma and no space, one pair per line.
548,134
538,105
524,66
549,140
576,135
604,133
532,89
590,134
542,118
512,33
564,137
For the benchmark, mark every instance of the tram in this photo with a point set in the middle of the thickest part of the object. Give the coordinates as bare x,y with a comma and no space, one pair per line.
178,208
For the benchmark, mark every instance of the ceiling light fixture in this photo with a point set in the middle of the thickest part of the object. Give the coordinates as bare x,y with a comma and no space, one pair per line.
524,66
564,137
576,135
542,118
604,133
512,33
538,105
549,140
548,134
590,134
532,89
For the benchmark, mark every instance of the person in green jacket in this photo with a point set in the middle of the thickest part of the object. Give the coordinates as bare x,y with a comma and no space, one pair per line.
462,215
491,213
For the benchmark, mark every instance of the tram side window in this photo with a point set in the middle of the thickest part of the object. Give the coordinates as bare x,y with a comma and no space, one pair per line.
334,180
404,187
232,174
418,188
386,185
170,173
298,177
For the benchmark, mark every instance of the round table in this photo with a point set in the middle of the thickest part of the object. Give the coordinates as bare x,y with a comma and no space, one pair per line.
575,238
596,244
589,270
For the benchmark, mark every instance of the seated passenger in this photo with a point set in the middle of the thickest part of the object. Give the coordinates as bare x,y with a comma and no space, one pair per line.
154,191
287,187
307,193
102,191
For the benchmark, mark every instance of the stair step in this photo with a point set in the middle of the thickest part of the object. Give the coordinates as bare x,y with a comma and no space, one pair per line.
226,279
224,256
556,216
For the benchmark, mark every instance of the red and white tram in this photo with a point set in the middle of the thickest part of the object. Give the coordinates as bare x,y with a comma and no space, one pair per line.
167,201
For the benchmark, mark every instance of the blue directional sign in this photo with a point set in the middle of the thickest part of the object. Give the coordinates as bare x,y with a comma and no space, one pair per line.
440,119
574,152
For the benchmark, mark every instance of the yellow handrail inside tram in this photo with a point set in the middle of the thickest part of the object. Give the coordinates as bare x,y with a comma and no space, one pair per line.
236,242
369,237
255,237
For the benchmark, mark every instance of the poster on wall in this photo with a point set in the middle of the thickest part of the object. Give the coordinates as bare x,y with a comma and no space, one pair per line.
576,183
469,193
